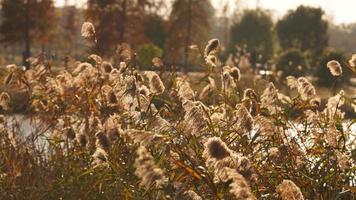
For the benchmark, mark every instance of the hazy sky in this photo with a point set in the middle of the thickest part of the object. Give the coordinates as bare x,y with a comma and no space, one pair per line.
341,11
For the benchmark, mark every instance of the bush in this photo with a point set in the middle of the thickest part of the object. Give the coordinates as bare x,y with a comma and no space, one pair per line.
292,62
323,74
146,53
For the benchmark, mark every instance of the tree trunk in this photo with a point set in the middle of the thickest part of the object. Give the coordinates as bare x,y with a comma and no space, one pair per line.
188,36
123,22
43,48
27,38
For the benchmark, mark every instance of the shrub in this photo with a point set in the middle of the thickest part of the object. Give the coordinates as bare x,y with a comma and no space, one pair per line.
146,53
292,63
323,74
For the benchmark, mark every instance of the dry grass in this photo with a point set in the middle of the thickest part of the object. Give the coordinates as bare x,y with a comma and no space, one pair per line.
111,132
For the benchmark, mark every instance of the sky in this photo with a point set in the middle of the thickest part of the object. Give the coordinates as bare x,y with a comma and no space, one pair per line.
339,11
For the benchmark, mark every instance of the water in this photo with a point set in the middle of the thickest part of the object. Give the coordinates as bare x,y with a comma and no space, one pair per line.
25,126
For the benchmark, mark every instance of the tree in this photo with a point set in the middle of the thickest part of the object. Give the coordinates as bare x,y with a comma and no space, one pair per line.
119,21
305,29
25,21
343,37
70,24
155,30
189,24
68,32
254,30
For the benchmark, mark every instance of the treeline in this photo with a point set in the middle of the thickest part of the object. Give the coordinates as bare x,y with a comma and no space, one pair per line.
297,43
144,25
31,27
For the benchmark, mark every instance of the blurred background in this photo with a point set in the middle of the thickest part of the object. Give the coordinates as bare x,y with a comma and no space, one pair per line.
260,36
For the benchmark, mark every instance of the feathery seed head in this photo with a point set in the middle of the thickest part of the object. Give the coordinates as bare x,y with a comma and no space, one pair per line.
352,61
211,47
106,67
292,82
239,186
11,68
185,92
244,118
102,141
147,170
211,60
334,68
70,133
187,195
155,82
82,139
157,62
215,148
88,30
288,190
81,67
235,73
100,156
249,94
305,89
98,60
273,152
5,101
343,160
315,102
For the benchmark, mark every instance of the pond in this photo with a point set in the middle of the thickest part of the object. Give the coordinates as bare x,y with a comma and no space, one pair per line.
26,126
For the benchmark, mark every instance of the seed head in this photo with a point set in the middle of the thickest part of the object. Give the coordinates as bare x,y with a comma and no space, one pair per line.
343,160
216,148
228,82
207,89
96,58
269,97
70,133
235,73
249,94
239,186
100,156
155,82
157,62
211,60
211,47
187,195
292,82
5,101
305,89
244,118
265,125
88,30
334,68
273,152
143,90
331,136
82,139
184,89
288,190
106,67
315,102
102,141
147,170
11,68
81,67
352,61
